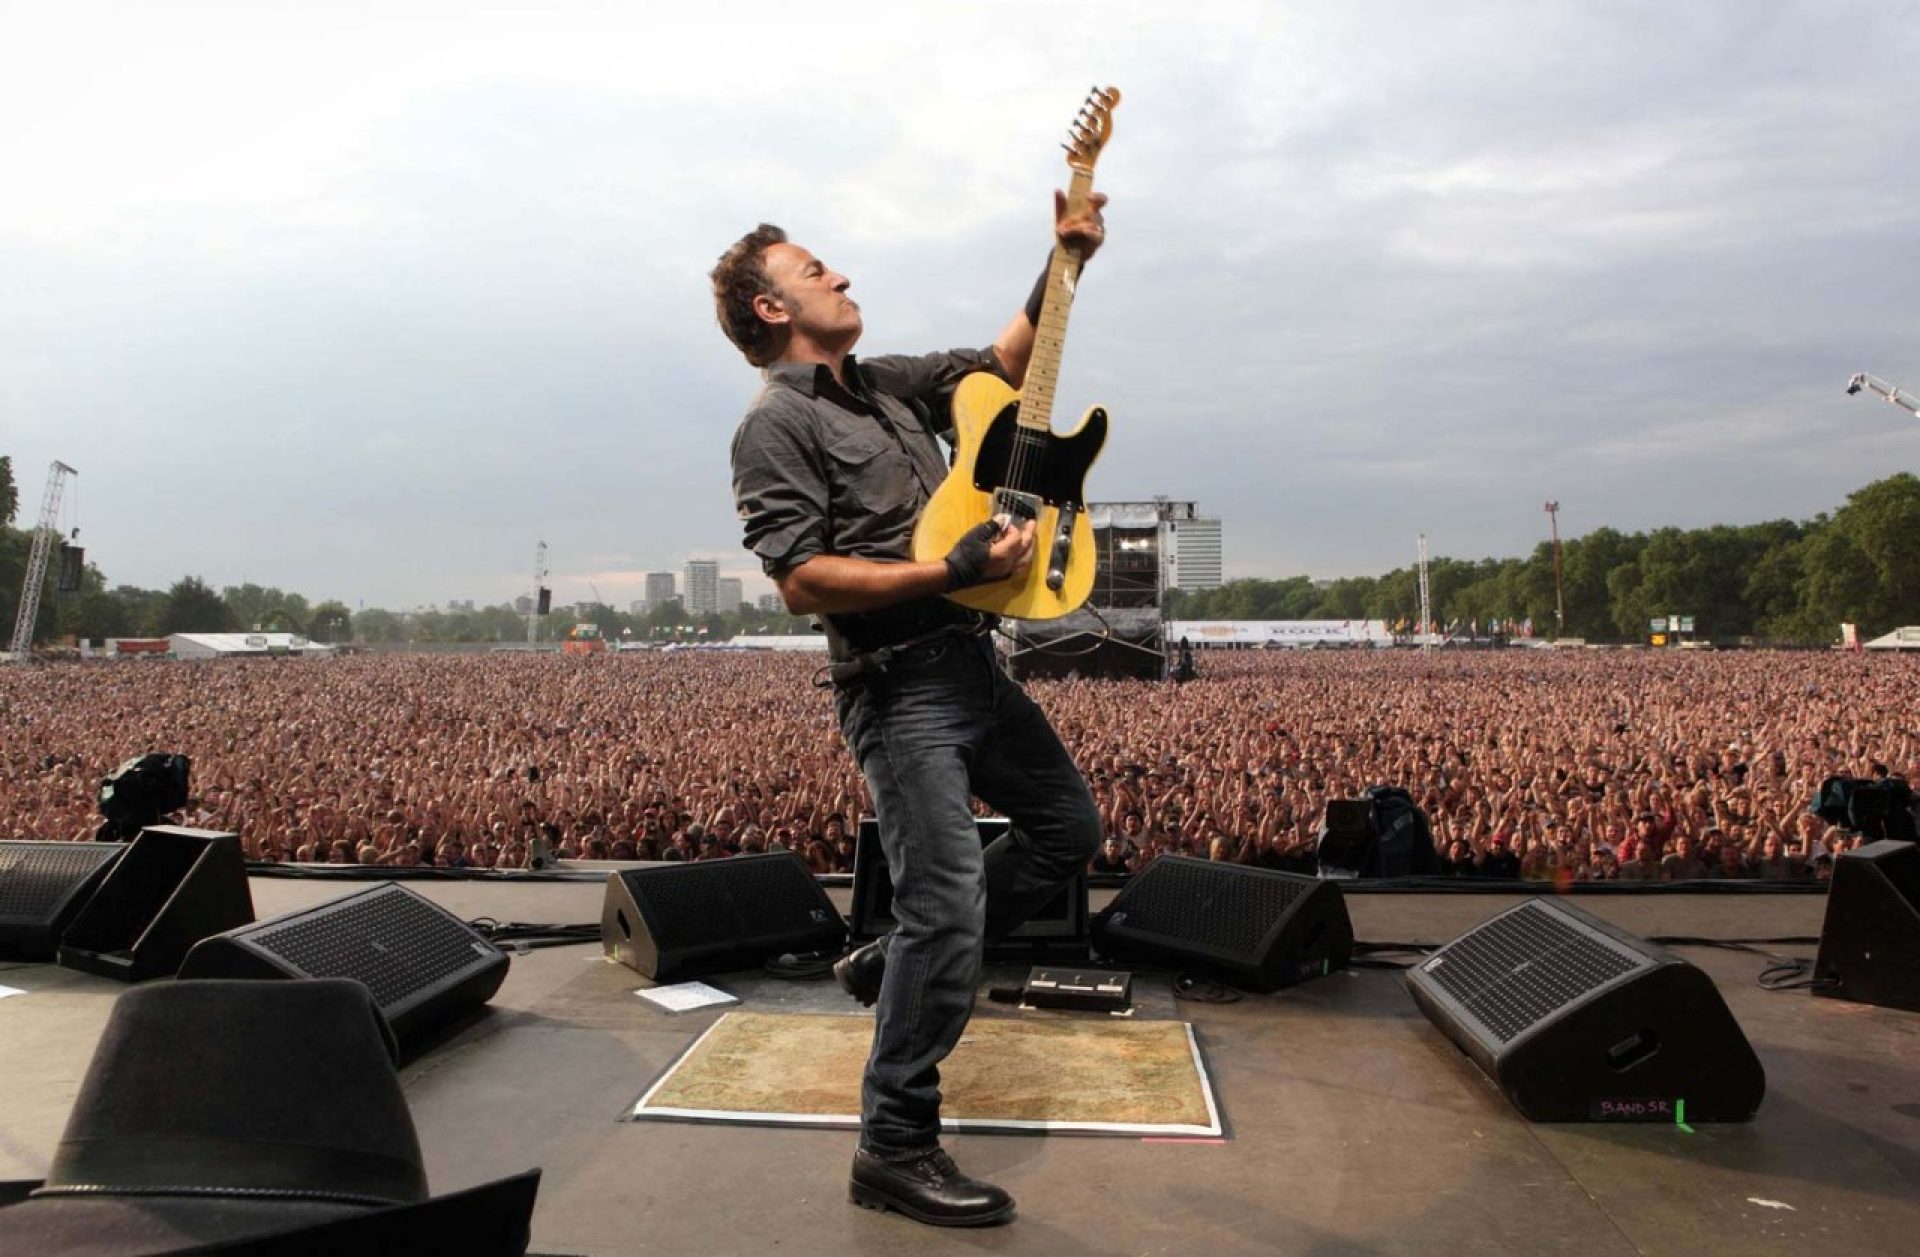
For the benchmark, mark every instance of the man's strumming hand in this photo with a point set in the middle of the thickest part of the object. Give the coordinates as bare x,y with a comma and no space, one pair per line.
990,551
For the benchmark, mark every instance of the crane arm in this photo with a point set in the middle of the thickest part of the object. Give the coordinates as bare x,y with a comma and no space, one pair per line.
1873,383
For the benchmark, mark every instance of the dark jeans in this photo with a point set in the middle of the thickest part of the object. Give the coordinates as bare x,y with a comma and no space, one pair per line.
941,724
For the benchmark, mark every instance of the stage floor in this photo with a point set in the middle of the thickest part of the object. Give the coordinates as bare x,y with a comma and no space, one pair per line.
1353,1125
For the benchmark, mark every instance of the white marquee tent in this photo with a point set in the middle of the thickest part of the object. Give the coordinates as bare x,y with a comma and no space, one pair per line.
231,645
1900,639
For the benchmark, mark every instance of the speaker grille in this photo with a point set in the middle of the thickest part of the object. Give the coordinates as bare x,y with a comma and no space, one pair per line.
690,902
1214,903
393,942
1526,965
37,877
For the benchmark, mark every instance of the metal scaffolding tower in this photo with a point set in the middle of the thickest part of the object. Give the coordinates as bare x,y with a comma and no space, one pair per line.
1426,602
534,612
46,535
1559,594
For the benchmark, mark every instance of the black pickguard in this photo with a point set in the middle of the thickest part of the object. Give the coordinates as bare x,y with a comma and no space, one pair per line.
1052,467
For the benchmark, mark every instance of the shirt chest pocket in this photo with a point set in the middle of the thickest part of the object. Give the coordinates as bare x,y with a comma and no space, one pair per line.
871,475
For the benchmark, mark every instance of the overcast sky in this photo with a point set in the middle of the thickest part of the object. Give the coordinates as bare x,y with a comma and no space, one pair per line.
364,300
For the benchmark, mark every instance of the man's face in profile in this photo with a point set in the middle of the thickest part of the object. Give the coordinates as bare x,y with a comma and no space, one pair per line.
812,300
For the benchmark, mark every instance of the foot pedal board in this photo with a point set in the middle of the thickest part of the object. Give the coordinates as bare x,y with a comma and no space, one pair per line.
1089,990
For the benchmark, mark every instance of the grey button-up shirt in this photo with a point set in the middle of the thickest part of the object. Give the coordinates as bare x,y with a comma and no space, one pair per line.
821,469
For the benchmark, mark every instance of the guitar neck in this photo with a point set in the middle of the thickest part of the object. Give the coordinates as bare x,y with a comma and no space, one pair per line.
1050,337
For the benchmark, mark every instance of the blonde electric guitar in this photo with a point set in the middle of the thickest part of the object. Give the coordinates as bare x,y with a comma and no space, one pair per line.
1008,460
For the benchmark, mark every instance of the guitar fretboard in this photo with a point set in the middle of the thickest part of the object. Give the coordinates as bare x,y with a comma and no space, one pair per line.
1050,337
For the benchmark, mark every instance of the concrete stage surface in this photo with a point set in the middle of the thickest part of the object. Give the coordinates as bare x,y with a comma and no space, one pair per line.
1354,1126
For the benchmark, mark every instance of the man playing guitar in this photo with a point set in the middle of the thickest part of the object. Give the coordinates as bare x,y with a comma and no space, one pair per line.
832,465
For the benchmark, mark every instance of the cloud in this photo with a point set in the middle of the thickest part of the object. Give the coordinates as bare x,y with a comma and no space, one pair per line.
364,299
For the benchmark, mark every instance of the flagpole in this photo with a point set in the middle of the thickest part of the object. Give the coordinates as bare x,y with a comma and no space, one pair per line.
1559,595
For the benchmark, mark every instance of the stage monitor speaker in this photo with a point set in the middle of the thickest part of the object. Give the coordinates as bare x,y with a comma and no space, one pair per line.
173,887
1578,1021
1870,940
671,921
1259,928
424,966
1057,931
42,886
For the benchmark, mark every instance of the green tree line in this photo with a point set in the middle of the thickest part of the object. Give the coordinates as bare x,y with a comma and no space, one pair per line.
1781,581
96,611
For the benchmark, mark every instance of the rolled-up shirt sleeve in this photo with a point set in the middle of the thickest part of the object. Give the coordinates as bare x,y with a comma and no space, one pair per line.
779,488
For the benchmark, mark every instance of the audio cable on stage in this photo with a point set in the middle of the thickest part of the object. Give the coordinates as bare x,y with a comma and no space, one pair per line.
1784,973
802,966
523,937
1373,955
1201,990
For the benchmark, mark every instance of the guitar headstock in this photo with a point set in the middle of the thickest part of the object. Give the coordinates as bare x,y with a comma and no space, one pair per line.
1092,128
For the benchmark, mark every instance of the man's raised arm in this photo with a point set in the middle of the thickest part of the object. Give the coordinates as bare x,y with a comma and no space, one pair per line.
1083,234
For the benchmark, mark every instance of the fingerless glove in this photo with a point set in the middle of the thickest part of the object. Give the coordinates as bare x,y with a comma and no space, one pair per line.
967,561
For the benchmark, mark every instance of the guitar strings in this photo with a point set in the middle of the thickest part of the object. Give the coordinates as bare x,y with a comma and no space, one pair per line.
1028,448
1029,452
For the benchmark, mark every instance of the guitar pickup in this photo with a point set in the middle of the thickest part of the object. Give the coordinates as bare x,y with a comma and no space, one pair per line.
1021,508
1061,549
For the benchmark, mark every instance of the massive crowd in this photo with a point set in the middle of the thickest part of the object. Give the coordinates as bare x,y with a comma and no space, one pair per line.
1535,764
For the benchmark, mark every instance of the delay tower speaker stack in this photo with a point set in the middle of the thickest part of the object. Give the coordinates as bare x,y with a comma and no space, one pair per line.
42,887
1870,940
671,921
424,966
1259,928
1576,1020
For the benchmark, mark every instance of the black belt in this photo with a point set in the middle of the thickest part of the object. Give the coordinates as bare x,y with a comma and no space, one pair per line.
906,624
864,663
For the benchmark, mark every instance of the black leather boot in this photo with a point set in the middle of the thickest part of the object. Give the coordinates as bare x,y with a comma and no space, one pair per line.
929,1189
860,971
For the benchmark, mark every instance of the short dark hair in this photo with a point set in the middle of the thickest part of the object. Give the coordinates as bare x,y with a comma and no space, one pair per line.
739,277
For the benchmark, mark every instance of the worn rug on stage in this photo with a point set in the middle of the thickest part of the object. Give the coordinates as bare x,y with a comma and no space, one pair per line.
1082,1075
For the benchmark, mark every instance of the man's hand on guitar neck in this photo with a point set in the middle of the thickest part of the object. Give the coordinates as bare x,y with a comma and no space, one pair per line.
1081,233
